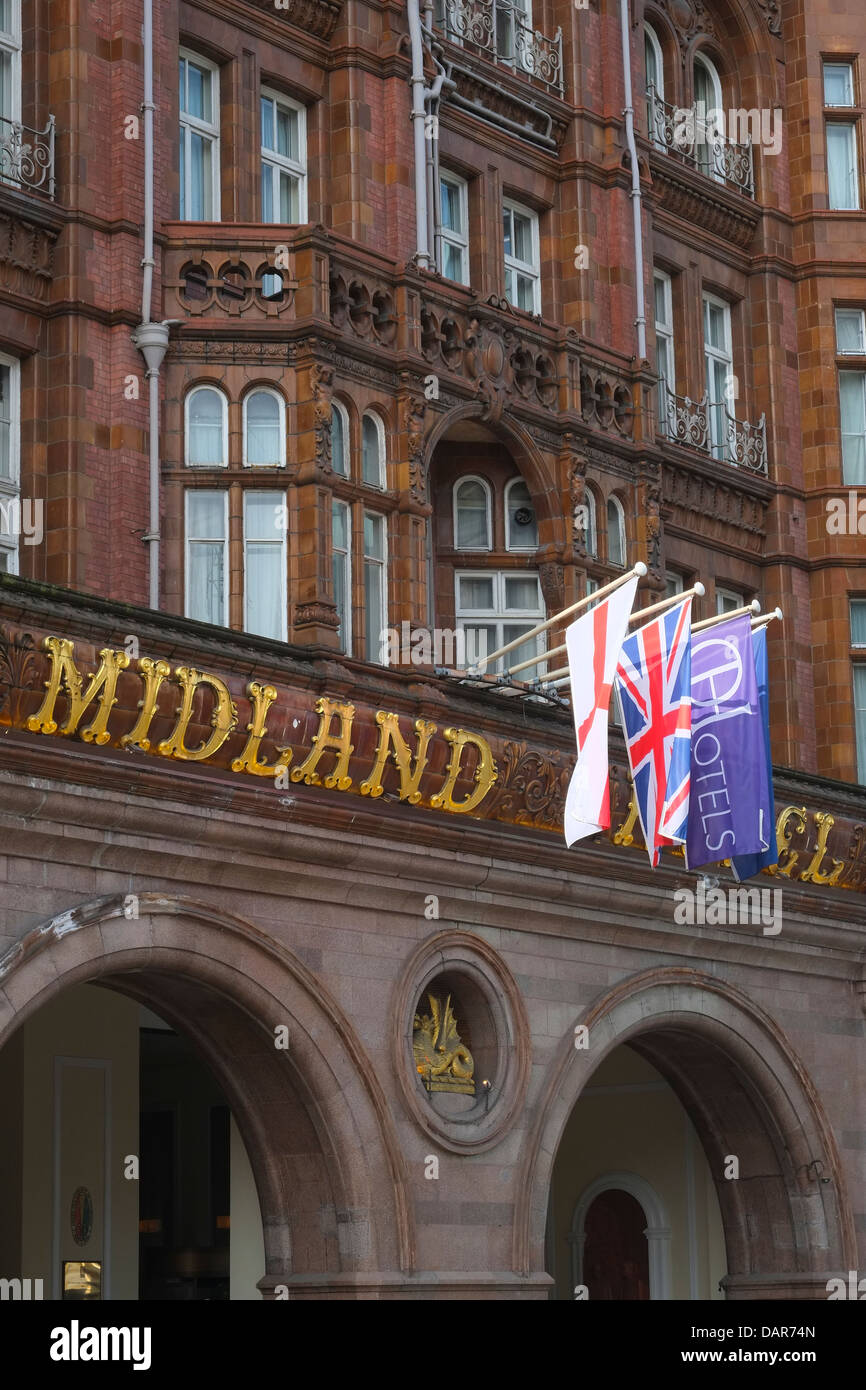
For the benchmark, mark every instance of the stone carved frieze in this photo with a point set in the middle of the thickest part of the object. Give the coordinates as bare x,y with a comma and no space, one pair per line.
363,308
692,497
26,257
605,401
507,367
18,673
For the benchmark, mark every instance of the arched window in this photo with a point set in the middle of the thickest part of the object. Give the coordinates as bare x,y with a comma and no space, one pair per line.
520,519
339,439
264,430
590,525
655,83
472,528
709,118
372,450
615,532
206,428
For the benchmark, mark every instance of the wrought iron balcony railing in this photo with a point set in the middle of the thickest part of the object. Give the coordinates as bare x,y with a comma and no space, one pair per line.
697,136
498,30
27,155
709,426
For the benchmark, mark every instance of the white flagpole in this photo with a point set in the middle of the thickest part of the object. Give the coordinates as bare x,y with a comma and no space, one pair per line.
753,607
697,590
766,618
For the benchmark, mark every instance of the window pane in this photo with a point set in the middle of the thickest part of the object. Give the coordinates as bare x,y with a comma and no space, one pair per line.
5,422
506,230
207,582
523,238
290,201
472,528
263,589
838,84
841,170
727,601
476,594
207,515
521,593
340,525
373,591
370,461
522,522
452,262
267,192
338,442
850,334
338,574
267,114
451,210
661,307
524,652
479,640
525,293
263,516
860,719
206,444
7,87
182,174
858,622
652,76
374,536
198,84
614,535
852,401
716,321
200,178
6,12
263,429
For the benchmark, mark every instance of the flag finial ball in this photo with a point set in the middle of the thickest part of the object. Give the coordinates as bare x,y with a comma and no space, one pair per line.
755,605
779,613
640,569
699,589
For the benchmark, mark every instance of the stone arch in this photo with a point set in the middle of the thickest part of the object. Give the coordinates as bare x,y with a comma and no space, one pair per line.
747,1093
321,1142
540,475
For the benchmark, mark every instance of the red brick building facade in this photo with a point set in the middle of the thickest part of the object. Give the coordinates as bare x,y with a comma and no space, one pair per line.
466,432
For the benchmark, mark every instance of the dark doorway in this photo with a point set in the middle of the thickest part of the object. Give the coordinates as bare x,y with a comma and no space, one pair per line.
615,1251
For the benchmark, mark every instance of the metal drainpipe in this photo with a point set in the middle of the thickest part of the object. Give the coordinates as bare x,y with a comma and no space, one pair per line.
421,234
150,338
640,321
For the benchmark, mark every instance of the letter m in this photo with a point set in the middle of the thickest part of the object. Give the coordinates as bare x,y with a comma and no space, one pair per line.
745,903
745,126
102,685
10,1288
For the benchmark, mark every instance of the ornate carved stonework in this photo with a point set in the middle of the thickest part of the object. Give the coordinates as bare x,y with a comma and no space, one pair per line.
243,350
604,399
652,511
26,257
772,14
577,488
321,382
316,17
553,585
413,410
688,17
533,115
317,614
701,504
507,367
17,670
442,1059
366,309
531,786
726,214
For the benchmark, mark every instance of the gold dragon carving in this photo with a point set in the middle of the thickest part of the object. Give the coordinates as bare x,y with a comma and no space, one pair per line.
442,1059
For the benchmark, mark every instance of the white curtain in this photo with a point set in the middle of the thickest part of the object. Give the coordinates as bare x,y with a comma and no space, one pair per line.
472,524
860,719
852,399
206,444
263,429
841,166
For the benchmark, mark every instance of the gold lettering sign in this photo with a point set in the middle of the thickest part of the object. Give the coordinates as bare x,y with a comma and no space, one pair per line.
103,684
392,743
225,717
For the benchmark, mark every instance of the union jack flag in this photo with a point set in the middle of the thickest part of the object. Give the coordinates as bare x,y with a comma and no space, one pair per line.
653,681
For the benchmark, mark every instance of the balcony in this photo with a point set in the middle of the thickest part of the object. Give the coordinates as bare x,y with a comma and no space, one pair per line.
497,30
695,136
27,156
709,426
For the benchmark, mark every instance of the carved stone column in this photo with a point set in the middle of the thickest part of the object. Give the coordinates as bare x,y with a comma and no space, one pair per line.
313,612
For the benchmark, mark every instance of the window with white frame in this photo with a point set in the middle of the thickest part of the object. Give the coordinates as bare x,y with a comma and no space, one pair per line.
719,363
207,570
339,439
495,607
857,610
10,62
615,532
673,583
375,587
264,429
591,530
265,603
838,84
473,528
284,159
455,228
373,450
511,15
592,586
709,111
521,523
727,600
655,82
665,366
341,570
206,428
10,466
851,332
860,717
843,180
199,139
522,257
852,417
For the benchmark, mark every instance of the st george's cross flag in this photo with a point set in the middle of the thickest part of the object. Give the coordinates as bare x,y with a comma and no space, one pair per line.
593,642
653,680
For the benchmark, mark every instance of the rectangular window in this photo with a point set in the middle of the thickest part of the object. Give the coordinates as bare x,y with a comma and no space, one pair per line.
522,257
341,570
842,180
375,587
10,63
838,84
284,159
727,600
199,139
852,417
10,445
664,321
455,228
673,583
510,17
860,719
265,605
858,622
207,557
851,332
494,608
718,360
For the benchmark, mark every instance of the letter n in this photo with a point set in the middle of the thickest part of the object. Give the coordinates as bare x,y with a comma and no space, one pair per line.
392,744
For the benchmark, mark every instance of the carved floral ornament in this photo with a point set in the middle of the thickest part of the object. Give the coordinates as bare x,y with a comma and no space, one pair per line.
505,368
146,706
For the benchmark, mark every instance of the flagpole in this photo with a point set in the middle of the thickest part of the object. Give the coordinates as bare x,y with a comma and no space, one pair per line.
766,618
753,607
697,590
639,569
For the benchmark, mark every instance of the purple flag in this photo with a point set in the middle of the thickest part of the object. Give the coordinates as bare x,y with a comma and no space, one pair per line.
728,763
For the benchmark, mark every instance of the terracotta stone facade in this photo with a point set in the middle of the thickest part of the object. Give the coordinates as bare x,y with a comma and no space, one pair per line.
310,903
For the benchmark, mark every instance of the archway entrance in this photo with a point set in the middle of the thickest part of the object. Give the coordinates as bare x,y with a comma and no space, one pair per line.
770,1152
